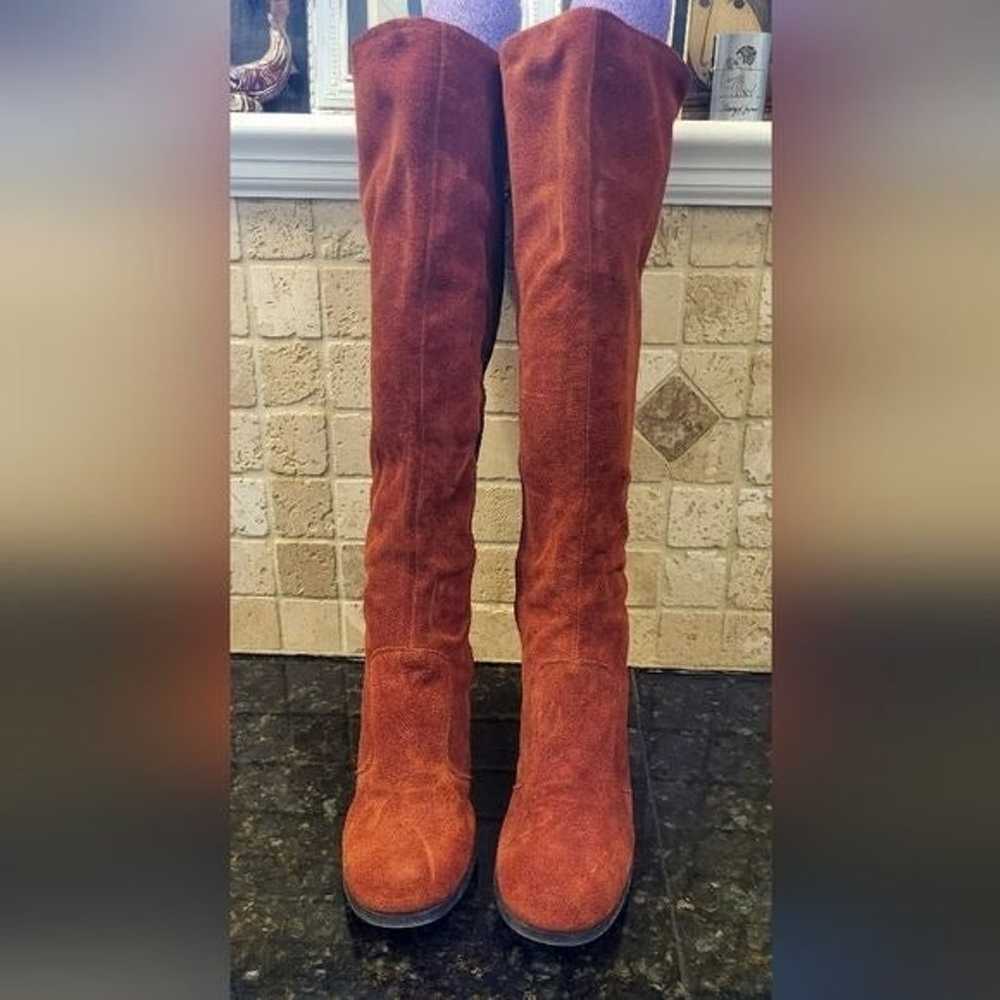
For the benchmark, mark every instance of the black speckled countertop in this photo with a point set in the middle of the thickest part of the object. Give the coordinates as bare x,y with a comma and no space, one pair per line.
697,924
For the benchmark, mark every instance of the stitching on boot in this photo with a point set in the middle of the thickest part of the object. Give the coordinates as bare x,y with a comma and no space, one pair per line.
590,334
460,775
424,285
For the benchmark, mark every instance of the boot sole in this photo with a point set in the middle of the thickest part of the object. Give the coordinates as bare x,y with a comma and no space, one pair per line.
417,918
560,939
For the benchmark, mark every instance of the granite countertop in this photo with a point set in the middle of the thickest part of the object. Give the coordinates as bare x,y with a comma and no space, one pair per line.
697,923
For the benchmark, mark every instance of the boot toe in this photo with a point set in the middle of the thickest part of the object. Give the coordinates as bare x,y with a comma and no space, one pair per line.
403,856
563,868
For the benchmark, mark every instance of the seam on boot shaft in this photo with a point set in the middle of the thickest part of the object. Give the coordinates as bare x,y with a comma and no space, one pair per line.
449,674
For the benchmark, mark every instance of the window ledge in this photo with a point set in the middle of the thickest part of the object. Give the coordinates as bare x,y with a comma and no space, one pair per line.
315,156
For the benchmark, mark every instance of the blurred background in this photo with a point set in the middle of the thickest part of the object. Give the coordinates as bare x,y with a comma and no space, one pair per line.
113,513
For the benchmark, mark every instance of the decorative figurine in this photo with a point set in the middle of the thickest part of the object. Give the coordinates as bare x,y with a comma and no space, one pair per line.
253,84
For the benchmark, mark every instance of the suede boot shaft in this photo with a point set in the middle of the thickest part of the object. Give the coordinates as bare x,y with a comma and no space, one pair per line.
432,171
590,103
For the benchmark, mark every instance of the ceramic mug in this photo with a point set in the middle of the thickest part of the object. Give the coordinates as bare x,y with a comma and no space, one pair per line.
739,75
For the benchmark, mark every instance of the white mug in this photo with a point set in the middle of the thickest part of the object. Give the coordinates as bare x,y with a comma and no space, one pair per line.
740,63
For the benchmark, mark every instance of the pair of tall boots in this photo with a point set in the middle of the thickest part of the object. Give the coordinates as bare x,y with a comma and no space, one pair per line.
582,106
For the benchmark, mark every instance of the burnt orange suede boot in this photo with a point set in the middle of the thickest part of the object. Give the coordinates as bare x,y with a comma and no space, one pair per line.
432,162
589,104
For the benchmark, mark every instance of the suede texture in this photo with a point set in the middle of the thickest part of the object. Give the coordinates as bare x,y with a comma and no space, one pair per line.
432,169
589,103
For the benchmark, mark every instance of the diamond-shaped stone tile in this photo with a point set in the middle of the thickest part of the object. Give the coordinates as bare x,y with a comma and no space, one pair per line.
674,417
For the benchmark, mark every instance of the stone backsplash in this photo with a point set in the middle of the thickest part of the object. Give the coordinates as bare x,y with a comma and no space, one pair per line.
699,559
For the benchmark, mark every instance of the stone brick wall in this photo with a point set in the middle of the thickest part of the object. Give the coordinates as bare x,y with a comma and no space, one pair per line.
699,561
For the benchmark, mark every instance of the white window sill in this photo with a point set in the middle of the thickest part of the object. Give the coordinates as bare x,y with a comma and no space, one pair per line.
315,156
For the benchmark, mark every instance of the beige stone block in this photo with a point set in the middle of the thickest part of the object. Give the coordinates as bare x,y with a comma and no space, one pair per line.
242,385
753,518
354,627
507,328
722,374
353,507
508,241
303,508
728,237
750,580
501,380
238,323
648,465
747,639
340,231
644,633
290,373
352,571
662,307
757,453
760,384
700,516
690,638
713,458
642,570
346,298
247,508
253,625
296,444
493,578
499,451
307,569
672,240
245,451
498,513
276,229
284,302
720,308
655,364
234,231
647,513
251,567
351,444
766,309
310,627
769,247
494,634
349,364
694,578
